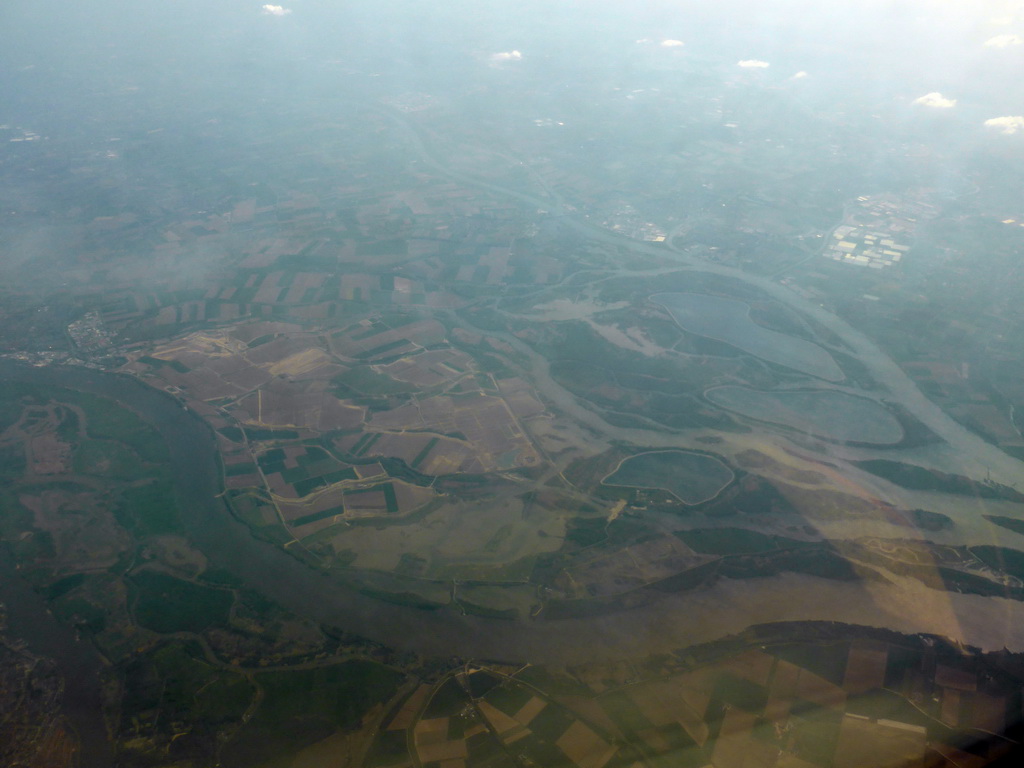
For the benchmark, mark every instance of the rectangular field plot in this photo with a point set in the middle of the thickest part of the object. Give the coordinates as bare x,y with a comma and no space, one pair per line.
375,339
484,421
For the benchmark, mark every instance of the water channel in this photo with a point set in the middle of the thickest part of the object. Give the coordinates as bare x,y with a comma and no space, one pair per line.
674,622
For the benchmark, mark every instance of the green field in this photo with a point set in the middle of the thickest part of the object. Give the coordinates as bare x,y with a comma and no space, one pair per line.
107,420
923,479
167,604
149,510
107,459
301,707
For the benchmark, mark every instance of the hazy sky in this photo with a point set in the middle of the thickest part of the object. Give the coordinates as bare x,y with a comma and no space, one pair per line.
960,58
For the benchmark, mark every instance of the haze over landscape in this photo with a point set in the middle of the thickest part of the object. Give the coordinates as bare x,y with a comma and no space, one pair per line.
592,384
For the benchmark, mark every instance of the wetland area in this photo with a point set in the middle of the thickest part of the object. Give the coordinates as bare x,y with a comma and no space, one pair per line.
728,320
691,477
830,414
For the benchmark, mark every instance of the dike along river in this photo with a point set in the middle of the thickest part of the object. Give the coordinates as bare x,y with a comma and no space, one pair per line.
673,622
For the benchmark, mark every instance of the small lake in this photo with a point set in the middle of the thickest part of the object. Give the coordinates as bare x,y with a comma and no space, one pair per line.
823,413
729,320
693,478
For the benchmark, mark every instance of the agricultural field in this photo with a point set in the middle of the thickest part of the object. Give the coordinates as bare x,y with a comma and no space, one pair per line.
332,441
406,455
768,698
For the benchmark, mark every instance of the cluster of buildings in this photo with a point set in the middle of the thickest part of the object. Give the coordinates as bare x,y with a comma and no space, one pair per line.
626,221
877,231
865,247
90,334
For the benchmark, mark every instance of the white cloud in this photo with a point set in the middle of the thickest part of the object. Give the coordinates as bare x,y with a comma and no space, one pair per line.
1003,41
672,43
276,10
936,100
1009,124
800,75
753,64
506,56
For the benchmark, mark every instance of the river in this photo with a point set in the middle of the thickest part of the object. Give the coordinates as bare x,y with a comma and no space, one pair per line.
315,595
672,622
980,459
77,661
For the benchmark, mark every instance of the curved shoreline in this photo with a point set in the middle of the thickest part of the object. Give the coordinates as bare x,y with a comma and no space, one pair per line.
981,460
825,367
672,622
706,498
812,425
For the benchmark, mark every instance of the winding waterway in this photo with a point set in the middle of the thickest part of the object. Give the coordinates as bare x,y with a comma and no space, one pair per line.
77,662
980,459
669,623
673,622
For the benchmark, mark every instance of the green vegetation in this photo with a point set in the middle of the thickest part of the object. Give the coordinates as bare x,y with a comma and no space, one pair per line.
920,479
1009,561
389,748
586,531
740,692
827,660
194,699
168,604
301,707
107,459
491,613
624,712
382,248
931,521
156,362
108,420
149,510
83,613
736,541
62,586
382,349
447,700
317,516
222,578
482,682
815,732
263,433
1009,523
310,484
68,428
509,697
424,452
11,405
12,462
236,470
680,750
